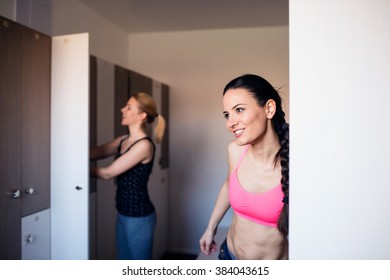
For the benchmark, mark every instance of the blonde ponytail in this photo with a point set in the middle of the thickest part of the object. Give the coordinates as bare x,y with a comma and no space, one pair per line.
147,104
159,129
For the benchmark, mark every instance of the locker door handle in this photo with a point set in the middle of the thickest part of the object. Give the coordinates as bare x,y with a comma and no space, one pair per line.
15,194
30,239
30,190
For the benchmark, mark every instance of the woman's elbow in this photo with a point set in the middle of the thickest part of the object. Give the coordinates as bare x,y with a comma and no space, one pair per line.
105,175
101,173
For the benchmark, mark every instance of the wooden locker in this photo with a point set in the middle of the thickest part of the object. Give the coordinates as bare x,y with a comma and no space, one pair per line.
10,138
36,121
25,130
122,92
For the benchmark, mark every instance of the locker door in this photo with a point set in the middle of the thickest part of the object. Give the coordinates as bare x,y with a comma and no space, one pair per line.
36,121
105,199
158,184
10,138
36,236
70,147
140,83
121,97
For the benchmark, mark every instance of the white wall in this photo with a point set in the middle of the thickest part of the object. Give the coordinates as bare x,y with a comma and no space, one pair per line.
107,41
340,132
197,65
7,9
58,17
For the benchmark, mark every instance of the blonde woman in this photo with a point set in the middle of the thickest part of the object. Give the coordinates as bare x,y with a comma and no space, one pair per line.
134,158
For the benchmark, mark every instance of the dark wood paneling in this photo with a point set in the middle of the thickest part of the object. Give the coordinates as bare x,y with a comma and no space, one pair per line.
10,138
164,162
121,98
25,75
92,143
36,121
92,113
140,83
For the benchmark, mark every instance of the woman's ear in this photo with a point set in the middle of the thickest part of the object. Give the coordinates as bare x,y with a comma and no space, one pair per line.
143,116
270,108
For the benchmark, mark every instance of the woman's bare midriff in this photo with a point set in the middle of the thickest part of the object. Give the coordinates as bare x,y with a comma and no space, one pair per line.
251,241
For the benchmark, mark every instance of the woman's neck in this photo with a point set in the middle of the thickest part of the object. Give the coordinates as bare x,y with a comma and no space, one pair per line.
265,150
136,133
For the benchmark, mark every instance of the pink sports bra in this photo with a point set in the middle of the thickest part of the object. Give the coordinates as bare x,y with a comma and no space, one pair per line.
262,208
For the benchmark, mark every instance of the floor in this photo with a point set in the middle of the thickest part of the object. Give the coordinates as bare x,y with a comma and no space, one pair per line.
219,238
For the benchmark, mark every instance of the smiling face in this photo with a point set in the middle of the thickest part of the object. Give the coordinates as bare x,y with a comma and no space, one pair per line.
244,117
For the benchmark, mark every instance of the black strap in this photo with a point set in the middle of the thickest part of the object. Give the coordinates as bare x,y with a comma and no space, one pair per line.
146,137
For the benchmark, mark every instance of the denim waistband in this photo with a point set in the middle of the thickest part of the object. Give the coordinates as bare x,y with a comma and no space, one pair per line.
224,253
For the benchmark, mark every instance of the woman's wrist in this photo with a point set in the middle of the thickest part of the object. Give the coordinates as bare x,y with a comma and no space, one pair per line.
211,229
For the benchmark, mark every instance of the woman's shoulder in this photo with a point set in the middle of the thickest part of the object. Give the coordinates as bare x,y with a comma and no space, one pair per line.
144,144
140,150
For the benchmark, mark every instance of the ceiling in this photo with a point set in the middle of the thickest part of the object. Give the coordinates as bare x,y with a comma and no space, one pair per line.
141,16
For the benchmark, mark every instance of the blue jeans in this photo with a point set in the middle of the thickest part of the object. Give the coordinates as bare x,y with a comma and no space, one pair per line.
224,253
134,237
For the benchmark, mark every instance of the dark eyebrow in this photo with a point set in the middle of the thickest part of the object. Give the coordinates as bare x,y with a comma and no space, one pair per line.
234,107
239,104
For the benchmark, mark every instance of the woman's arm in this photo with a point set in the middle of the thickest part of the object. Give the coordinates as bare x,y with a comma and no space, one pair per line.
105,150
206,242
140,152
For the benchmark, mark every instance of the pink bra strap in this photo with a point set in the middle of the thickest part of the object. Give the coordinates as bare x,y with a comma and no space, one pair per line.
242,156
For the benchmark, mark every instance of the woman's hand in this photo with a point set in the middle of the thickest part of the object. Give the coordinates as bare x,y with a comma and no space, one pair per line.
207,243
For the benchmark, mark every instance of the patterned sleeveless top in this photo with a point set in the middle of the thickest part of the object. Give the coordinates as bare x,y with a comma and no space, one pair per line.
132,196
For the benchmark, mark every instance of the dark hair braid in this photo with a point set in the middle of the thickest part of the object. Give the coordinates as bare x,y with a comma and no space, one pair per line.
282,130
263,91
